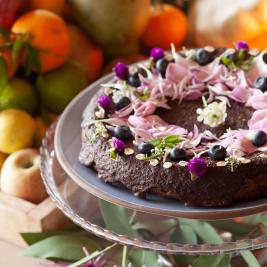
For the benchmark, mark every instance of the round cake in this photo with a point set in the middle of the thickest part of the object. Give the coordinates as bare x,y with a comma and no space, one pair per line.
188,125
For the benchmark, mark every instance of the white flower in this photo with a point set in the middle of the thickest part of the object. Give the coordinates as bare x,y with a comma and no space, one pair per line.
212,114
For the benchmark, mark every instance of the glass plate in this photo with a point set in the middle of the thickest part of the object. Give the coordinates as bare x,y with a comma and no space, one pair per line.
155,232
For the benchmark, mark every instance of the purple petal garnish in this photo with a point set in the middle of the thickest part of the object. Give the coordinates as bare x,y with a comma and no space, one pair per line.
122,71
156,53
197,166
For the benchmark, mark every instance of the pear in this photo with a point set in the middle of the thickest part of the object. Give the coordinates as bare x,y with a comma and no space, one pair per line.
116,25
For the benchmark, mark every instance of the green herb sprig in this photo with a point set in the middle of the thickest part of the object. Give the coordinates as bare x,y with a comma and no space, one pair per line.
232,163
242,61
162,145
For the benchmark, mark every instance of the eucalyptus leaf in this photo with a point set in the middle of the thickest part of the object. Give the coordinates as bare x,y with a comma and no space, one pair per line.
184,234
32,238
143,257
204,230
235,228
61,247
3,73
250,258
211,261
117,219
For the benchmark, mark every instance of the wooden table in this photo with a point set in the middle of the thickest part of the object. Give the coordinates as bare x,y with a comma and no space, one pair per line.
9,257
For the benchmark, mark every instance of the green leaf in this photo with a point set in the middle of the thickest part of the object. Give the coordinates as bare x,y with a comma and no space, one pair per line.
156,142
142,257
235,228
61,247
117,219
33,59
32,238
184,234
16,49
174,139
204,230
3,73
212,261
250,258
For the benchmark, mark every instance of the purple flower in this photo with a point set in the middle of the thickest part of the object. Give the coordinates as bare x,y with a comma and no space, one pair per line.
118,144
122,71
197,166
156,53
241,45
105,102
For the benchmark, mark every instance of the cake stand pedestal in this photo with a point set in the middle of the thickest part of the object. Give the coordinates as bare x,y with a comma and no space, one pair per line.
170,235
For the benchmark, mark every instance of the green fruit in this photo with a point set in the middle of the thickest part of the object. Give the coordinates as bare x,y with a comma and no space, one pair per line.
59,87
18,94
115,24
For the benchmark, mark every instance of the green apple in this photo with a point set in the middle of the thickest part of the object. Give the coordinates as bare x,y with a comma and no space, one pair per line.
57,88
18,94
114,24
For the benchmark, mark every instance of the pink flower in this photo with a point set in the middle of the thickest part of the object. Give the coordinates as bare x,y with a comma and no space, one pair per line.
258,120
257,100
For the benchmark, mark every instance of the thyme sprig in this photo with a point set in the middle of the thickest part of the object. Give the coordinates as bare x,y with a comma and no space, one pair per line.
242,60
232,163
162,145
99,129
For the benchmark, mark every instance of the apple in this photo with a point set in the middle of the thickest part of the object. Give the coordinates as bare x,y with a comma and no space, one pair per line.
20,176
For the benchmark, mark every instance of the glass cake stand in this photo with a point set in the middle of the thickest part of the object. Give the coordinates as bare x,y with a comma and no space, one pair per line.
148,231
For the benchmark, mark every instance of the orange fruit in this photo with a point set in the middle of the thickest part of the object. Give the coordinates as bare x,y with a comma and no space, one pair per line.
50,36
167,24
56,6
6,54
85,53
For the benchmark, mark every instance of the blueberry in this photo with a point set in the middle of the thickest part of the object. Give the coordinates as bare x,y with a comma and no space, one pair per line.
217,152
264,58
122,102
142,72
145,148
203,57
122,132
134,80
161,66
259,139
261,84
177,154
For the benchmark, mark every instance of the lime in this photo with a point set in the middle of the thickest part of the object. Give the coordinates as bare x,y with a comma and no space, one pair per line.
17,130
57,88
18,94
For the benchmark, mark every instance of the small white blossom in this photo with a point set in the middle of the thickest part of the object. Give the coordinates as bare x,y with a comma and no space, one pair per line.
213,114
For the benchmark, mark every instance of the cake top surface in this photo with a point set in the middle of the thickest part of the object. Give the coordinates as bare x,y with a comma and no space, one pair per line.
187,104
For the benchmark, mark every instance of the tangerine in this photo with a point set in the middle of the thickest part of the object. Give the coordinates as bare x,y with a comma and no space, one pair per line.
167,24
85,53
50,36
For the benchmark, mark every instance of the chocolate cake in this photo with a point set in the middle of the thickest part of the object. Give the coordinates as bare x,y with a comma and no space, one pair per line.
188,125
